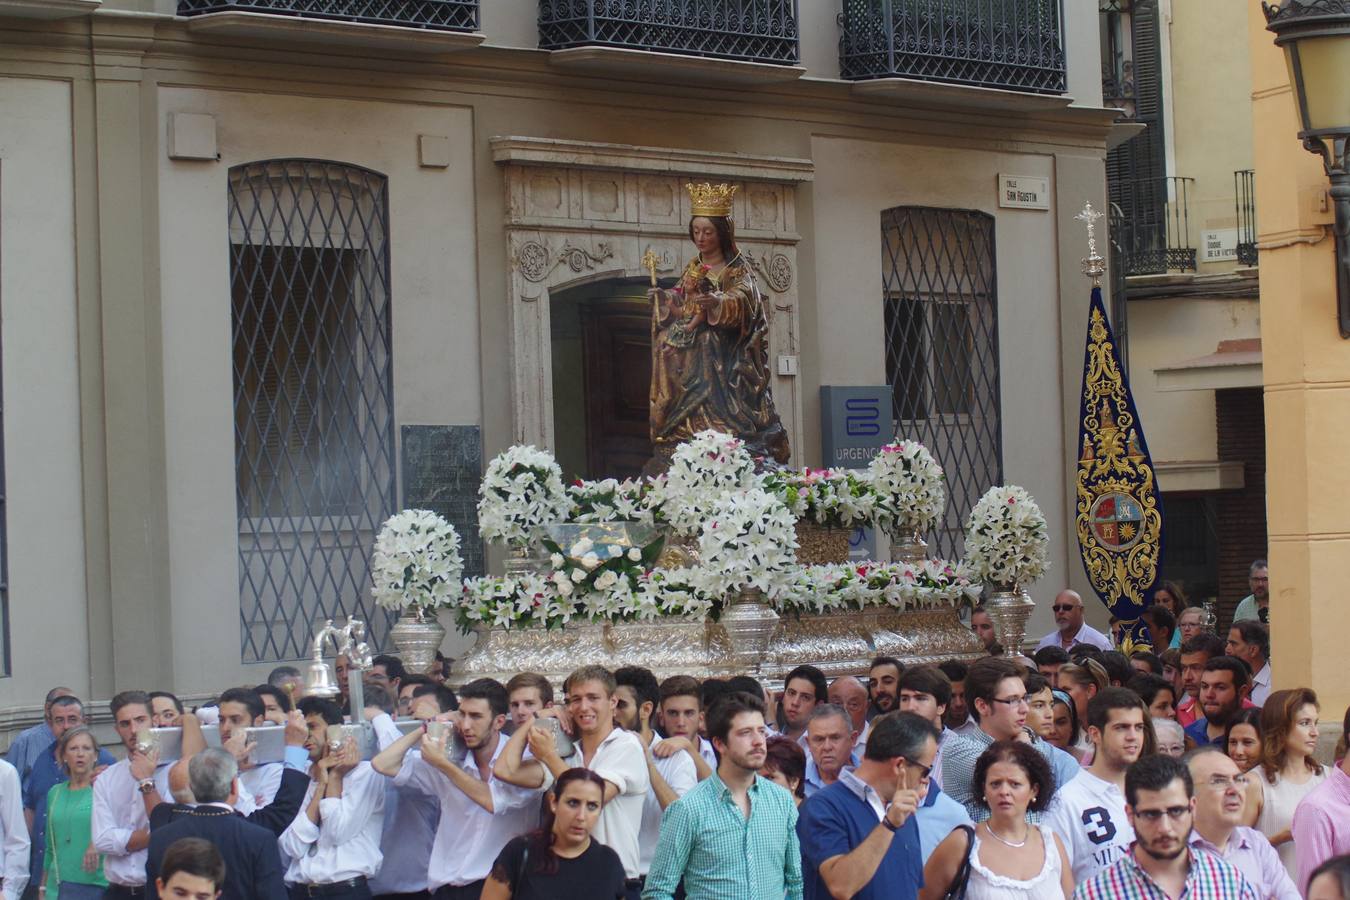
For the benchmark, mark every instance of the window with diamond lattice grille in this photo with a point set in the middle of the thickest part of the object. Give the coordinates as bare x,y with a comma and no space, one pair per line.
940,318
314,443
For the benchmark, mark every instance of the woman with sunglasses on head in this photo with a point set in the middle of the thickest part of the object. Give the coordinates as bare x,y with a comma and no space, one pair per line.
559,860
1287,771
1009,858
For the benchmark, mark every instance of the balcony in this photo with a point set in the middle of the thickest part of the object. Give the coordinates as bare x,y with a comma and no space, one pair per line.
708,40
1008,46
1154,231
418,26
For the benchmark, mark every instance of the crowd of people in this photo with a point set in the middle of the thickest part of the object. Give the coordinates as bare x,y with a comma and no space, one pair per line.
1079,772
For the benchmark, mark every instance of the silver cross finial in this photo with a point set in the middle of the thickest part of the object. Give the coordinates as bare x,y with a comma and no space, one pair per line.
1094,266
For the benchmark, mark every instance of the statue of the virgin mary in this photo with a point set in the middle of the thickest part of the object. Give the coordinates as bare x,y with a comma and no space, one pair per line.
710,343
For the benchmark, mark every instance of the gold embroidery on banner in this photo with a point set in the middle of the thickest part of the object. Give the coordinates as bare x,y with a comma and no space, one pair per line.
1118,521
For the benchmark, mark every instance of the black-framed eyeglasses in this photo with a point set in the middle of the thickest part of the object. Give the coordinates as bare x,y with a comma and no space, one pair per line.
1062,607
1175,813
1012,701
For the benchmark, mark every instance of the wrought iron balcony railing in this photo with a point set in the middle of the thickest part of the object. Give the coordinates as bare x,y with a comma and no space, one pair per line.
1156,224
761,31
1244,199
1010,44
438,15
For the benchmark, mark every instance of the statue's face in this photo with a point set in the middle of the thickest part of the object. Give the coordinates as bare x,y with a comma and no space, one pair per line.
705,235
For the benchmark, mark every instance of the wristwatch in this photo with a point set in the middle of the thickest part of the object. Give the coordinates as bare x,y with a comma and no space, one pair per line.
145,785
885,820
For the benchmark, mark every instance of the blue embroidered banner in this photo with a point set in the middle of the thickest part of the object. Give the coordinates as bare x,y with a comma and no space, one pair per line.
1119,512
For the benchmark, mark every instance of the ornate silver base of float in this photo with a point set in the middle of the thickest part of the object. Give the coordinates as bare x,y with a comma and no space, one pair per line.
1009,607
417,639
841,643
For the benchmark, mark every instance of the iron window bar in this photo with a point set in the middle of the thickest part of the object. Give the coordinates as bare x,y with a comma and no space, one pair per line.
940,316
761,31
313,395
1244,201
1157,236
435,15
1007,44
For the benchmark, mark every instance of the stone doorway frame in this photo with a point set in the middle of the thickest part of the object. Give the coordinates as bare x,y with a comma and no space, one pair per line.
580,212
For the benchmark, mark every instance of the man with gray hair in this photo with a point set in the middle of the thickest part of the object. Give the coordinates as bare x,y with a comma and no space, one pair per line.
252,863
859,837
829,742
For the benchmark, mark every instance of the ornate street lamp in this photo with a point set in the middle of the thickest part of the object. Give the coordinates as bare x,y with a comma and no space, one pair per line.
1315,36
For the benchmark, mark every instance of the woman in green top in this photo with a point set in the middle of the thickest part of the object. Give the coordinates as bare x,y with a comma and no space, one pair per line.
74,870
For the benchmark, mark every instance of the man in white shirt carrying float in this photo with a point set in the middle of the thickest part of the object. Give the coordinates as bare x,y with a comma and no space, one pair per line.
614,754
479,813
671,776
334,843
119,824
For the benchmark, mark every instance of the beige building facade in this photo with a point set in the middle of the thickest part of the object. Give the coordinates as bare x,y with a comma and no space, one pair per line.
1193,323
483,196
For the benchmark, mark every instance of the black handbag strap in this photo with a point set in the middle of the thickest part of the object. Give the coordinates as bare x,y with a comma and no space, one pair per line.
957,891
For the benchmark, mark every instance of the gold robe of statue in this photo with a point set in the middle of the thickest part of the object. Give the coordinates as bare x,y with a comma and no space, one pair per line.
710,363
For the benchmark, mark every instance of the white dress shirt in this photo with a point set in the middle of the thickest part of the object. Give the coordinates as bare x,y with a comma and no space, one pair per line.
410,819
1086,635
622,761
1261,685
119,810
680,774
14,849
346,843
260,783
468,837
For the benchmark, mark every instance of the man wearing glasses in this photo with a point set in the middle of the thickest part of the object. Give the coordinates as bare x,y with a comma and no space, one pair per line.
1160,802
1071,629
998,700
859,837
1220,795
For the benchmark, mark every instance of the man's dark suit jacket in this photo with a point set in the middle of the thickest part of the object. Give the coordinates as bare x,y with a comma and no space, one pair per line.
276,816
252,862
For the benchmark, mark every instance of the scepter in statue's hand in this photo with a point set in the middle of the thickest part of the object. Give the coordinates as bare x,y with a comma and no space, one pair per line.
649,262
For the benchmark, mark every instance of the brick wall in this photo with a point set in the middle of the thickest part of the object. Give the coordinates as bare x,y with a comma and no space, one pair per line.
1241,515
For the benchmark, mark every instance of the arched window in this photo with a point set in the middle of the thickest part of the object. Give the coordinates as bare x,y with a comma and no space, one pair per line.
313,395
941,315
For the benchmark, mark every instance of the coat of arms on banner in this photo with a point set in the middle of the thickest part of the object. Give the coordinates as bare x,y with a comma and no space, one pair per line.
1119,514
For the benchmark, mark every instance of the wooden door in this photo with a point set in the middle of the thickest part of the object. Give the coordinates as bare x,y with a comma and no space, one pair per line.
616,346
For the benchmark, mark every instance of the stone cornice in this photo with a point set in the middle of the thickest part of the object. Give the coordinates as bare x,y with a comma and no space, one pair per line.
529,151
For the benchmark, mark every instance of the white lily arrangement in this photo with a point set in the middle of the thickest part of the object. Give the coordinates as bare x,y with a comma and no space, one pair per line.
824,589
923,585
505,601
832,498
521,490
1006,538
416,565
702,469
609,500
748,540
909,485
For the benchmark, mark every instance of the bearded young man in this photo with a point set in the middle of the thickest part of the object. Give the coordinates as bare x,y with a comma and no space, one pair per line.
1160,803
764,860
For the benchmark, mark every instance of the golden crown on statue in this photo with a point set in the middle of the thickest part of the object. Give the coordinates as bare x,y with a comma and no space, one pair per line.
710,199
